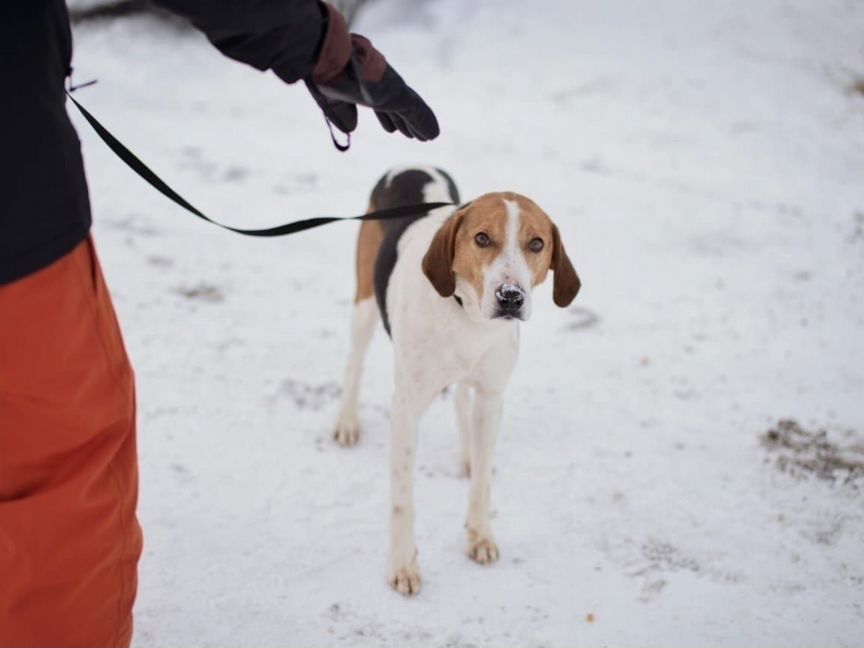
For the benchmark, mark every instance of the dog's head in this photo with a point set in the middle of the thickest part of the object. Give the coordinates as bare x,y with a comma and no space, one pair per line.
493,251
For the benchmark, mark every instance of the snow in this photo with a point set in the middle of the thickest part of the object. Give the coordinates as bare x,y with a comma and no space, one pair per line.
704,164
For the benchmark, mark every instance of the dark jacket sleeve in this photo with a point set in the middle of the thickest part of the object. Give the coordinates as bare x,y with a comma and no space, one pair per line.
279,35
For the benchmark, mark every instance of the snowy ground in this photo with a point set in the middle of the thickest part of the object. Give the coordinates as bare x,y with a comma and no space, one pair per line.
704,163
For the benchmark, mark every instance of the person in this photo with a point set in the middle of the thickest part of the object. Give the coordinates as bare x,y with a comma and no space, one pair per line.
69,537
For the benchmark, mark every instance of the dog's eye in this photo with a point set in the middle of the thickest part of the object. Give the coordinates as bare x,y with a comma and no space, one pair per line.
482,239
535,245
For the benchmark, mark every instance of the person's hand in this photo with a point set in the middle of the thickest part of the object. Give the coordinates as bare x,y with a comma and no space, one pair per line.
351,72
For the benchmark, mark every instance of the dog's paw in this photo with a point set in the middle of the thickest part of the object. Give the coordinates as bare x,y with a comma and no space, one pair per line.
406,580
482,550
346,433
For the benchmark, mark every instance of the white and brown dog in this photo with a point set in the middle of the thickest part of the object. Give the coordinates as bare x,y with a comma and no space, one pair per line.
450,288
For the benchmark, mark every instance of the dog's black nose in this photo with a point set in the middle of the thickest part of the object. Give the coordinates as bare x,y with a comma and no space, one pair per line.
510,298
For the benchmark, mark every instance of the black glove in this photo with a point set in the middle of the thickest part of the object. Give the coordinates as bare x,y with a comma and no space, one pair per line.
351,72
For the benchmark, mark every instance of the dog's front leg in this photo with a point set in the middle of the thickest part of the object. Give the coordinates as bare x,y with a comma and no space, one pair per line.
464,414
484,432
404,575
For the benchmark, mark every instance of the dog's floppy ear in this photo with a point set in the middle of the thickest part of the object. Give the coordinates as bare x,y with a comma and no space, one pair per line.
566,282
438,260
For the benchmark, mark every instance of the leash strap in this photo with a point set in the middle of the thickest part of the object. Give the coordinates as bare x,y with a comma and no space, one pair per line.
280,230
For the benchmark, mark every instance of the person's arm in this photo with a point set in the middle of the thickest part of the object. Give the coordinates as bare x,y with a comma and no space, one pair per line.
278,35
309,40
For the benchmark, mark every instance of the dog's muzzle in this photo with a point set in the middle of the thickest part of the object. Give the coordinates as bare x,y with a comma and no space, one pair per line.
510,298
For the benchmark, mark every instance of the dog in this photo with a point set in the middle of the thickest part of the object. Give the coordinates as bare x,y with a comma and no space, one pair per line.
450,287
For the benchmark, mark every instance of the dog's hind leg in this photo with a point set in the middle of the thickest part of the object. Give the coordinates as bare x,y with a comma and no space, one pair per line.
464,401
364,318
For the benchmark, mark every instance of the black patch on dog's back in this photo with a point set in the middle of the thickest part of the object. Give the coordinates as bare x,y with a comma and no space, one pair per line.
405,188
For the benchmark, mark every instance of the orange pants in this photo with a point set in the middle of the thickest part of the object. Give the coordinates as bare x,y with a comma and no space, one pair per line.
69,539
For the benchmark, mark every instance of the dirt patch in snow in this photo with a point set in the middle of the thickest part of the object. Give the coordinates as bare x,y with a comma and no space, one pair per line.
858,231
803,453
309,396
582,318
202,291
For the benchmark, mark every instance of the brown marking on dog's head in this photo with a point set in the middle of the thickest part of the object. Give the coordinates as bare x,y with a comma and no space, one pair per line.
438,260
475,236
481,238
566,283
538,231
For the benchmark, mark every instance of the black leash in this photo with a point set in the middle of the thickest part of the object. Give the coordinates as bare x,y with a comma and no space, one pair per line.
280,230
